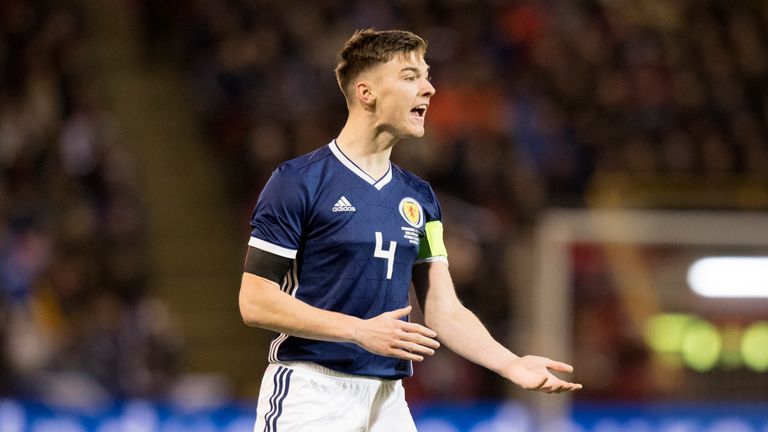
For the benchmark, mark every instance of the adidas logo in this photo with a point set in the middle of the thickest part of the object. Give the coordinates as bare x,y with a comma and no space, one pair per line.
343,205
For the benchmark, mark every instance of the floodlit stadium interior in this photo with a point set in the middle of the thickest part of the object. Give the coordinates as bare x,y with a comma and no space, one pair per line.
602,168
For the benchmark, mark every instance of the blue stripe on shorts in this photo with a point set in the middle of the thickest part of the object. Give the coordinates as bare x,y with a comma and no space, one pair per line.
281,382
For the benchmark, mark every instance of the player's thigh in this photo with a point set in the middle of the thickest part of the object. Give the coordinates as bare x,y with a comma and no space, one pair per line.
296,400
391,413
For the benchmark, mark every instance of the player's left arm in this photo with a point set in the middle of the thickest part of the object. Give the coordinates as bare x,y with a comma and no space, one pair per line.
461,331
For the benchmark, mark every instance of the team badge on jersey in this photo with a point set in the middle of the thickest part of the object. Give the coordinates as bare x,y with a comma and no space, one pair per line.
411,211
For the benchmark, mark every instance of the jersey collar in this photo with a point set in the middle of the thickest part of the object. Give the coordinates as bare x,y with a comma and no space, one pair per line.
378,184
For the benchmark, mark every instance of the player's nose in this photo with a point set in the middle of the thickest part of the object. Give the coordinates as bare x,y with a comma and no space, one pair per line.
427,89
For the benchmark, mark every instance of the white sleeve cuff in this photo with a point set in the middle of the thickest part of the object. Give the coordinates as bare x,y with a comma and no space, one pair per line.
272,248
438,258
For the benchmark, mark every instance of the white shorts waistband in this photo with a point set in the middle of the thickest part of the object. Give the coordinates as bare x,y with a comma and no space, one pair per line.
314,367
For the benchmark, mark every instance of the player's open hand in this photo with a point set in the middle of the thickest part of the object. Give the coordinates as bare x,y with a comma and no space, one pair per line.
390,336
533,373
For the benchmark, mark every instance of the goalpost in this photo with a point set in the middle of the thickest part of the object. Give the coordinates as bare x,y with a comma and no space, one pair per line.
622,234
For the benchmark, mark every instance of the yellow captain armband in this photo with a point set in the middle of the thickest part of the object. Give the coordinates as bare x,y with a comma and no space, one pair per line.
431,244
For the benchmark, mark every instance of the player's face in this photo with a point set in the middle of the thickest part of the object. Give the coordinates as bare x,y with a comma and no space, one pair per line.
402,91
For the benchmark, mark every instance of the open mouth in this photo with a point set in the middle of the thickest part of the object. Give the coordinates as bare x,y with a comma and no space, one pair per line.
419,111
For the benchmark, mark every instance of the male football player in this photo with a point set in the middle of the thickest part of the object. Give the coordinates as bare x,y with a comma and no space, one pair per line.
338,235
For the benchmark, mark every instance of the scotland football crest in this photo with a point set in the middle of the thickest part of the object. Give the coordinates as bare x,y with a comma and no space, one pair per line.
411,211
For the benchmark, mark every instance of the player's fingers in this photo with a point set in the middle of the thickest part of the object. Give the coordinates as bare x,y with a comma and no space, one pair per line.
567,389
574,386
418,328
414,347
551,385
399,313
564,389
559,366
405,355
421,340
559,386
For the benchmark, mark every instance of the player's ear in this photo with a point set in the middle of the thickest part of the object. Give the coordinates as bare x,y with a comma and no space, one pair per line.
364,94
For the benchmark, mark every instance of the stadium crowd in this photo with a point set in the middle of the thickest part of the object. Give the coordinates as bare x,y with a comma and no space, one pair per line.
534,98
76,319
536,102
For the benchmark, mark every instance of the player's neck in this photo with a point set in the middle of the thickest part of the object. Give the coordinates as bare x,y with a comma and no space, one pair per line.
368,148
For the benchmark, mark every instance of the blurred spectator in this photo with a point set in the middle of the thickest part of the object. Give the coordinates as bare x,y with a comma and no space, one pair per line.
645,88
73,269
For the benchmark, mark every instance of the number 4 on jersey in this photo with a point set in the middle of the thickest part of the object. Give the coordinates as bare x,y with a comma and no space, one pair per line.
388,254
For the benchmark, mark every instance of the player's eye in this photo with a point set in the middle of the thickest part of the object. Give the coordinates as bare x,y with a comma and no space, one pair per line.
410,78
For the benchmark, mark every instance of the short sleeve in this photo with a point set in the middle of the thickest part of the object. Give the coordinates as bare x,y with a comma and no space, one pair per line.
431,245
278,218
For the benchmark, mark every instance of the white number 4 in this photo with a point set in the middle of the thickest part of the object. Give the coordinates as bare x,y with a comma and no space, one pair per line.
388,254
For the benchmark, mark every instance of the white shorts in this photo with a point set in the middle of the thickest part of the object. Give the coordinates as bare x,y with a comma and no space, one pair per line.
306,397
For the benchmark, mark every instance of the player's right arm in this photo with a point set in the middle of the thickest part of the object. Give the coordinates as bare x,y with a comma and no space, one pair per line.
264,305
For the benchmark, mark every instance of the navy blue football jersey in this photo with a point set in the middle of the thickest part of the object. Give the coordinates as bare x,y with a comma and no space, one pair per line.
354,241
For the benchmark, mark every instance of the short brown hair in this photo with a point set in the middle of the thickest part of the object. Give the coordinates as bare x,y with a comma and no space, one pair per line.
368,48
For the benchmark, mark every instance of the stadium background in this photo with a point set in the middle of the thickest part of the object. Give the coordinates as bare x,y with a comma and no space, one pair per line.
135,136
